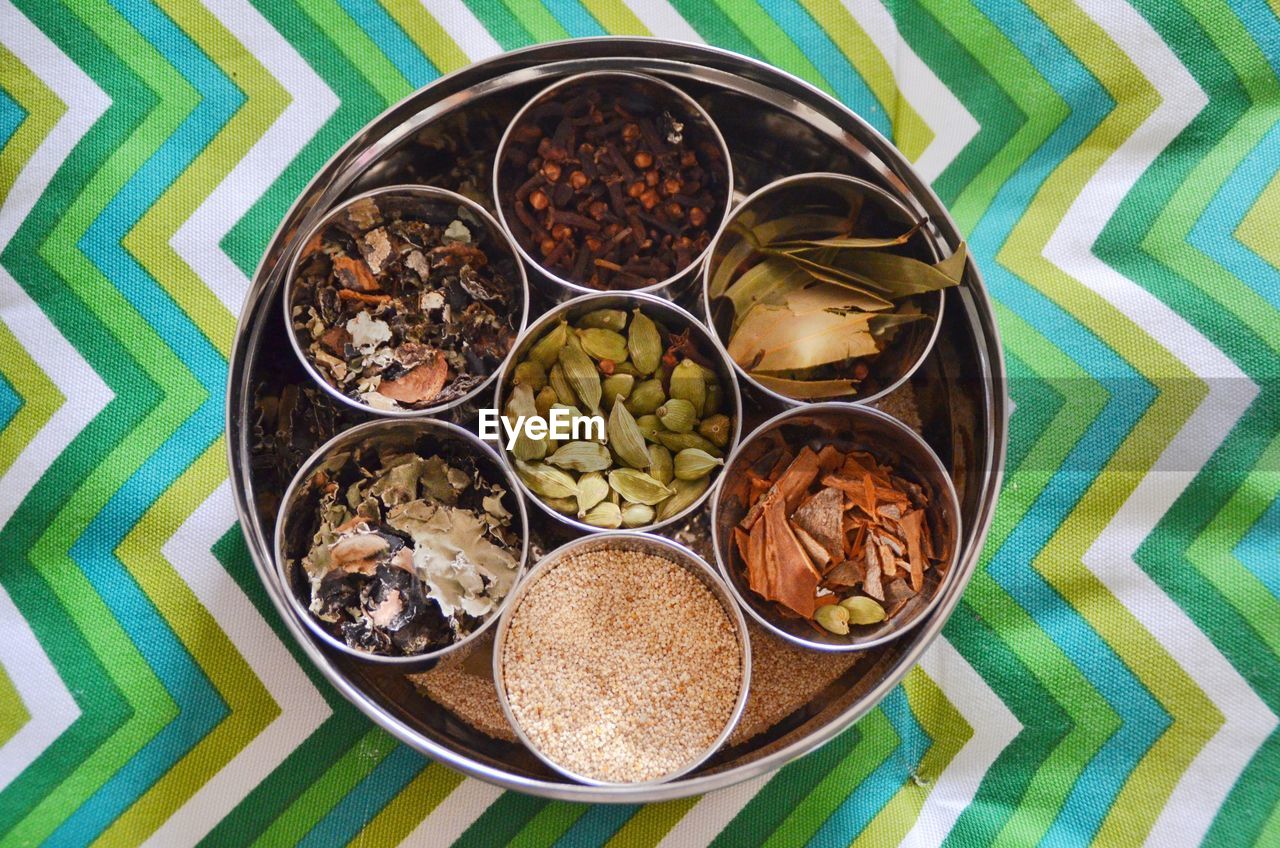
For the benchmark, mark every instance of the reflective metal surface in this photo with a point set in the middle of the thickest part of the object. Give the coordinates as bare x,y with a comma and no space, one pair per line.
789,127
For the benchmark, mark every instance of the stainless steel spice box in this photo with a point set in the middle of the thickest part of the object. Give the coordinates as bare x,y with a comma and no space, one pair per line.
446,135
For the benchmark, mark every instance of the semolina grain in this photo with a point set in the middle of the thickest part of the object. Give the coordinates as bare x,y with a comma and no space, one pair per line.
621,666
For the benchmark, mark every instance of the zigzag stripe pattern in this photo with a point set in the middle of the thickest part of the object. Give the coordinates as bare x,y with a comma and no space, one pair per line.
1112,674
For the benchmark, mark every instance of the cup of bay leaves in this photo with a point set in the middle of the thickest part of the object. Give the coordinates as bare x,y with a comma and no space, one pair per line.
825,286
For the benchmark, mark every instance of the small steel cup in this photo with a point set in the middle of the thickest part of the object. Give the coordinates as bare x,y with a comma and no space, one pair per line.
297,520
663,312
621,540
827,194
848,428
436,205
644,92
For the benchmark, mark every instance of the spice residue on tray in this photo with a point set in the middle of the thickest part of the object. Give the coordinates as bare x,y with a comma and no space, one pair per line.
621,666
402,311
411,553
837,538
610,190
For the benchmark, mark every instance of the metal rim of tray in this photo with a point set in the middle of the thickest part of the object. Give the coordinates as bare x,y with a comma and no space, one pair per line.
671,58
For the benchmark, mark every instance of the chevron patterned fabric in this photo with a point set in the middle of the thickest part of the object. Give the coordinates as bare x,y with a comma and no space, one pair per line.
1112,675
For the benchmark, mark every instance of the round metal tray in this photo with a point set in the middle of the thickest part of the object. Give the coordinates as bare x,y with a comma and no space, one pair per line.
776,125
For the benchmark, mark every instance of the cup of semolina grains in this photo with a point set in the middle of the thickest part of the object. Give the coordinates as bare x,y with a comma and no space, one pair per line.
622,659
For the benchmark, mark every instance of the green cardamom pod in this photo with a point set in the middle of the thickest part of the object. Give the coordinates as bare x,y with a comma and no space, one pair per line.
558,383
686,492
637,515
715,398
661,465
644,343
581,456
646,397
625,367
637,487
604,514
546,481
592,489
716,429
530,373
591,424
650,427
582,375
833,618
863,610
625,437
687,383
677,415
617,385
545,399
683,441
691,463
547,349
604,319
564,505
603,344
521,404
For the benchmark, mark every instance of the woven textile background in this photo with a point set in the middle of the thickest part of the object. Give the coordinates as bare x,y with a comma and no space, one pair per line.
1113,672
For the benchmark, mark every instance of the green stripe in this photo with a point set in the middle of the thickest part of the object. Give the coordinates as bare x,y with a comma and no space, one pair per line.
43,110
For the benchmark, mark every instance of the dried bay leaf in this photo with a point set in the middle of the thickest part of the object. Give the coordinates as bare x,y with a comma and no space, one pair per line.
768,341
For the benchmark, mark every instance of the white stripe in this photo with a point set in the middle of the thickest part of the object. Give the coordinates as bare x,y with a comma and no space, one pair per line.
42,692
953,127
994,727
457,812
302,709
464,28
1201,789
661,19
311,103
712,813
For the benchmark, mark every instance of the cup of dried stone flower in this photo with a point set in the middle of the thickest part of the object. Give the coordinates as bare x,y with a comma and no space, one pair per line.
712,678
405,301
613,181
400,541
680,415
825,286
826,518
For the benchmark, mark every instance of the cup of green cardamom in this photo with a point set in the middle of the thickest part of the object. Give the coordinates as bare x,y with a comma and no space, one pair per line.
616,411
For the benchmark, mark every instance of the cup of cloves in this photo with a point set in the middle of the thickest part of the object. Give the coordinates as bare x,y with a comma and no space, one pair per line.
613,181
405,300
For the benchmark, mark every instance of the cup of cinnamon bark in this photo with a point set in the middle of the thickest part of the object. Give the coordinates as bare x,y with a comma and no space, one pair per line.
836,527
